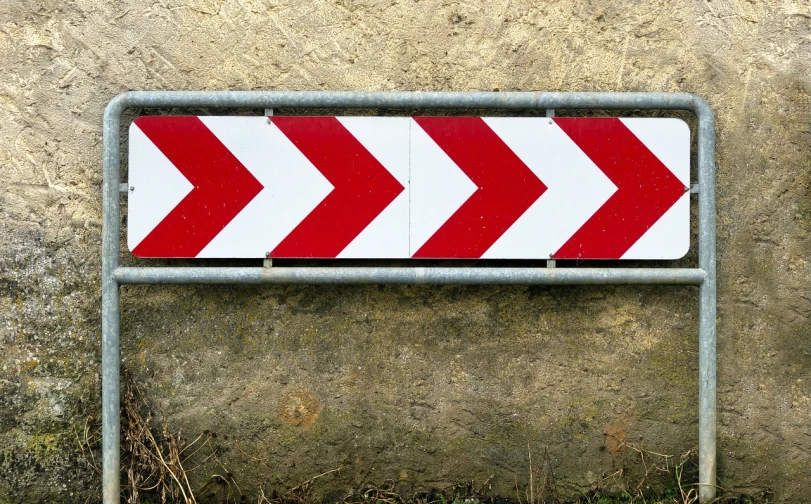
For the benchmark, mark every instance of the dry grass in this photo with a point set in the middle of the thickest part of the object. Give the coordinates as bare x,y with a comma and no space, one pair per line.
299,494
89,440
155,457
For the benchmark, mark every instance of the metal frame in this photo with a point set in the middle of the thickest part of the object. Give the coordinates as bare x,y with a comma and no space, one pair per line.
113,275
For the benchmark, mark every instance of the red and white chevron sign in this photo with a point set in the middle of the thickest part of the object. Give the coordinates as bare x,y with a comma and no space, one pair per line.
409,187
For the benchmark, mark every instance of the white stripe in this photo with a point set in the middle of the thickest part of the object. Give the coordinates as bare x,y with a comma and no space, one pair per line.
576,188
293,187
386,138
438,187
159,187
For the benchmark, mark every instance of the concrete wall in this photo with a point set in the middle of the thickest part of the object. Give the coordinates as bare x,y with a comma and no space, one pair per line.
427,386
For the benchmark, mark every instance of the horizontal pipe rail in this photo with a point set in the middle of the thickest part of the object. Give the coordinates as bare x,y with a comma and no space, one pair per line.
403,100
412,275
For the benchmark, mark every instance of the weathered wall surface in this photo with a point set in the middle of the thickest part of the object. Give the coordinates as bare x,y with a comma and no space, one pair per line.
428,386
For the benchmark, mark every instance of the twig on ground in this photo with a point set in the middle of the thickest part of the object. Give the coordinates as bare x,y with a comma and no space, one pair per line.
88,442
531,477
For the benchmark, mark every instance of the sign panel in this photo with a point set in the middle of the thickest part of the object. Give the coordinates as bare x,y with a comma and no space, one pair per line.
409,187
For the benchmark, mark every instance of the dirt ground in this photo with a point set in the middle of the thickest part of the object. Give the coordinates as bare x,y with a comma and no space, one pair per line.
426,386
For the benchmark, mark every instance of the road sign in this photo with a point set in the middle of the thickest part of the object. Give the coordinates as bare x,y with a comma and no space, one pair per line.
409,187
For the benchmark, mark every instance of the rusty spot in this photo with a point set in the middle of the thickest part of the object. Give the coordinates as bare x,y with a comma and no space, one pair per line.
299,407
615,434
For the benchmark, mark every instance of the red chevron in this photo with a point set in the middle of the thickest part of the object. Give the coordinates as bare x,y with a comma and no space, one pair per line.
222,186
506,188
362,187
646,188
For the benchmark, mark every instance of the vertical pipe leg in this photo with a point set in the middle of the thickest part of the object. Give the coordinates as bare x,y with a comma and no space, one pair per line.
706,393
110,392
706,306
110,350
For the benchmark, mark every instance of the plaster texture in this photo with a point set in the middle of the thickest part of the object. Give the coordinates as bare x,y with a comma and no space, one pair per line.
429,386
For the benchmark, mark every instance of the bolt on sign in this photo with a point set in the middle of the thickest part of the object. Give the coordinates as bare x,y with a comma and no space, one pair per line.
409,187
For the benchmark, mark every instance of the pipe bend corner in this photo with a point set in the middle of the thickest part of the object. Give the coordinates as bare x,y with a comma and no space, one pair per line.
116,107
701,108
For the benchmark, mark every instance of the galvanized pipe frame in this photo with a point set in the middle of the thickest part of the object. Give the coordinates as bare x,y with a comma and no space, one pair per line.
113,275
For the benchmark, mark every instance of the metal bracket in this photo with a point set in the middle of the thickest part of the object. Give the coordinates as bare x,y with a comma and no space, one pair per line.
268,262
113,276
